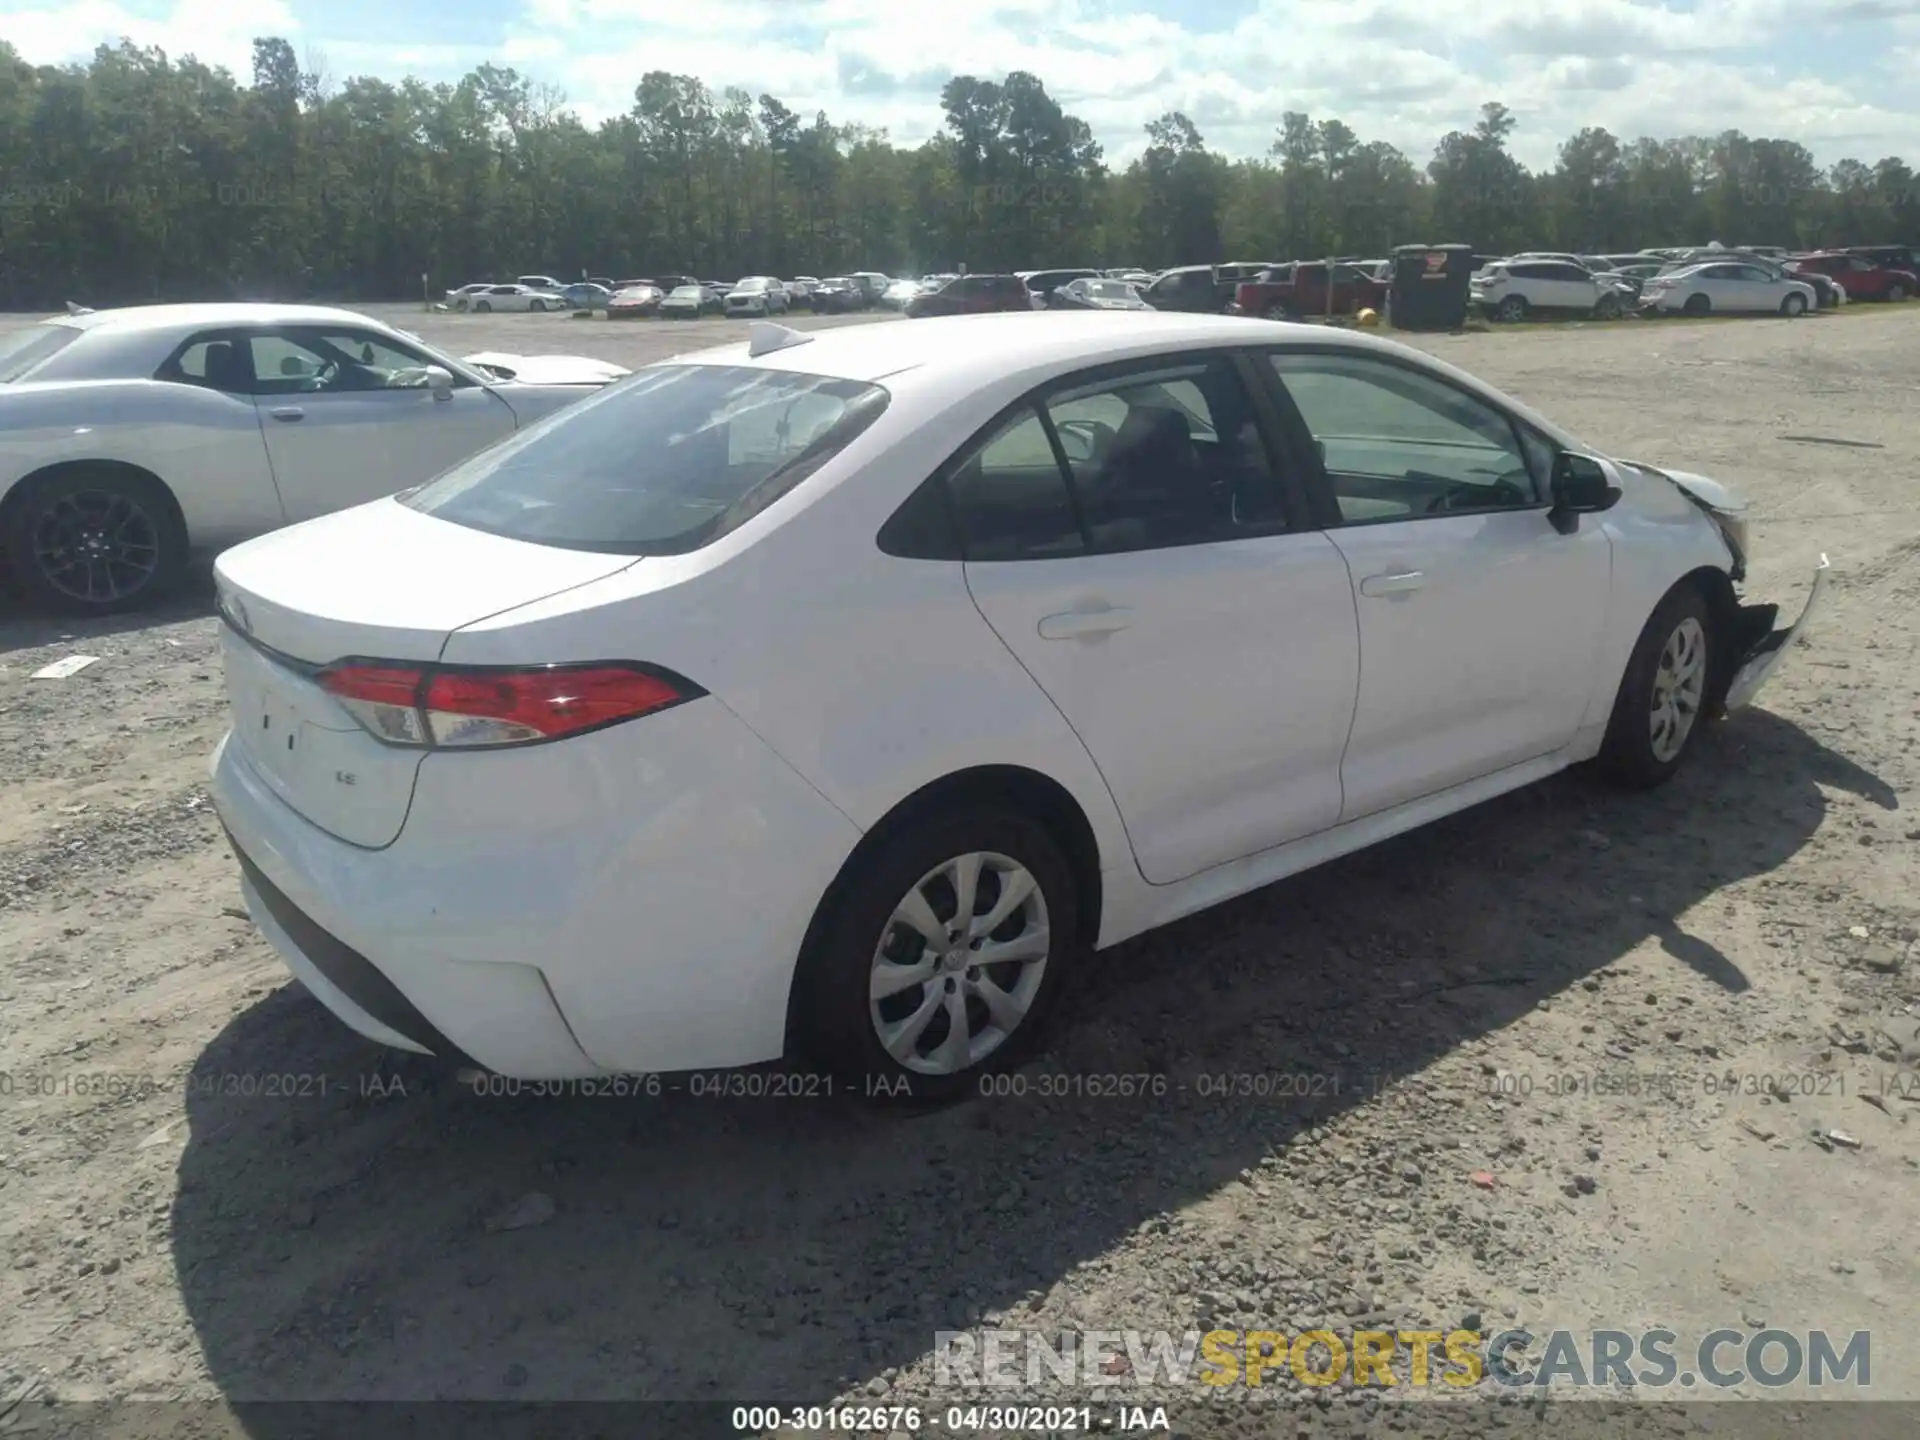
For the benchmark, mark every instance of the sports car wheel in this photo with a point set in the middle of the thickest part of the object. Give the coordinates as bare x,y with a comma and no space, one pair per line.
1662,695
537,306
481,307
92,542
938,964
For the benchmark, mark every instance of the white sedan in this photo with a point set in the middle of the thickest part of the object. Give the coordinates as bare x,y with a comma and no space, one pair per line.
1727,287
511,298
845,689
129,438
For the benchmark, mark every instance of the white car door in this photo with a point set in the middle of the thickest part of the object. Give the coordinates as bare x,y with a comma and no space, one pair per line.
1480,623
1721,284
348,417
1166,596
1573,288
1759,291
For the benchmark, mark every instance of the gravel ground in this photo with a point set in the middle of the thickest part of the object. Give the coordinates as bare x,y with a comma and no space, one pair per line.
227,1196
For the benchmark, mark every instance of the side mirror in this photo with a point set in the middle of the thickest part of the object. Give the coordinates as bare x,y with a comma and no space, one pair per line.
440,382
1580,487
1076,439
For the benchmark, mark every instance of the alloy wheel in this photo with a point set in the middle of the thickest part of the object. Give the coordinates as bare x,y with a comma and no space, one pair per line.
959,963
97,546
1679,683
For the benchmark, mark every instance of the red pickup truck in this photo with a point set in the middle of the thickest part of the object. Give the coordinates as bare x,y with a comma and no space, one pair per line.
1299,291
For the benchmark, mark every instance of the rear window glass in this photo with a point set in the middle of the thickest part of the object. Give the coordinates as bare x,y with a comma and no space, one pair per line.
659,464
24,350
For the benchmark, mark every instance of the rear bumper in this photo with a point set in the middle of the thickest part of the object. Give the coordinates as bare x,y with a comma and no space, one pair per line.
631,900
1764,659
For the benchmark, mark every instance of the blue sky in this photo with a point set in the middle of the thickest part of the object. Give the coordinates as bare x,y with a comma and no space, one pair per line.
1842,76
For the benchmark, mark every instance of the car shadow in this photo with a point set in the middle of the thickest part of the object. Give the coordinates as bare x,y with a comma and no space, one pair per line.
24,627
332,1237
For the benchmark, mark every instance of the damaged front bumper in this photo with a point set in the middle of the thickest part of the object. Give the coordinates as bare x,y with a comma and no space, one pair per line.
1762,658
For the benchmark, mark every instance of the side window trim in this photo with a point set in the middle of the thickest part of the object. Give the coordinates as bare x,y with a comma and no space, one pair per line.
1280,440
1328,502
1065,468
1294,511
225,335
304,335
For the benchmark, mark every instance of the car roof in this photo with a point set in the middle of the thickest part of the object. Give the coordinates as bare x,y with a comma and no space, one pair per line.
167,317
975,348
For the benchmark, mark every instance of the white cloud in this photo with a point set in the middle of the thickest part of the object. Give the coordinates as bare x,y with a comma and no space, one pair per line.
214,32
1396,70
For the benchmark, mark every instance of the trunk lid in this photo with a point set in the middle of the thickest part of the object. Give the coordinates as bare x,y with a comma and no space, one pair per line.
379,581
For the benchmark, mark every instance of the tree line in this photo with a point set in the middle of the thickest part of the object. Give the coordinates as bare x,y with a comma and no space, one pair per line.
139,177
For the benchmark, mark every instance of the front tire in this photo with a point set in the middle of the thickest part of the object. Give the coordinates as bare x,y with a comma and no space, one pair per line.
537,306
901,995
1896,293
1793,305
1663,695
1607,307
1513,309
96,542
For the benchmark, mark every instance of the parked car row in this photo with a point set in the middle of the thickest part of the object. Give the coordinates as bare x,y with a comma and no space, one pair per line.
1692,280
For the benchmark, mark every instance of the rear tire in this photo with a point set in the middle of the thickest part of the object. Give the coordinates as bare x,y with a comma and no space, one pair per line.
1896,293
1697,305
1663,695
482,307
921,873
95,542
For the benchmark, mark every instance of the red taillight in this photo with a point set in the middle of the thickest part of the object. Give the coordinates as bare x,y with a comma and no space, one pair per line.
436,707
376,684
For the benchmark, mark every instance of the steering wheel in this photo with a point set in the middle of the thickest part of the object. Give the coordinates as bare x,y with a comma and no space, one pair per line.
323,377
1503,492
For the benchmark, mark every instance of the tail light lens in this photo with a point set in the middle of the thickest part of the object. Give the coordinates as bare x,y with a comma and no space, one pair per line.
435,707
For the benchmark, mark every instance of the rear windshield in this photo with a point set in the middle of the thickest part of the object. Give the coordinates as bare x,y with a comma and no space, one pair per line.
25,350
659,464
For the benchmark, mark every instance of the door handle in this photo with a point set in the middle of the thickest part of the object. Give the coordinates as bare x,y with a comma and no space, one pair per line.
1085,624
288,412
1400,582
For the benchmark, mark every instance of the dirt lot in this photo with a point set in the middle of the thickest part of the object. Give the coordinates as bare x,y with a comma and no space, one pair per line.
1475,998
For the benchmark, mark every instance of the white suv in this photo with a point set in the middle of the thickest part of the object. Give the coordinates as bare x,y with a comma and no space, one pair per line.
1513,289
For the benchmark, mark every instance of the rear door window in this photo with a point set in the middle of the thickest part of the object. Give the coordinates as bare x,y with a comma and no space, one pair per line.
659,464
1011,496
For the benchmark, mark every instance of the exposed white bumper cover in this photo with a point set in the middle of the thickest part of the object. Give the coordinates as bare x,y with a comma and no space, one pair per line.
1761,662
546,922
